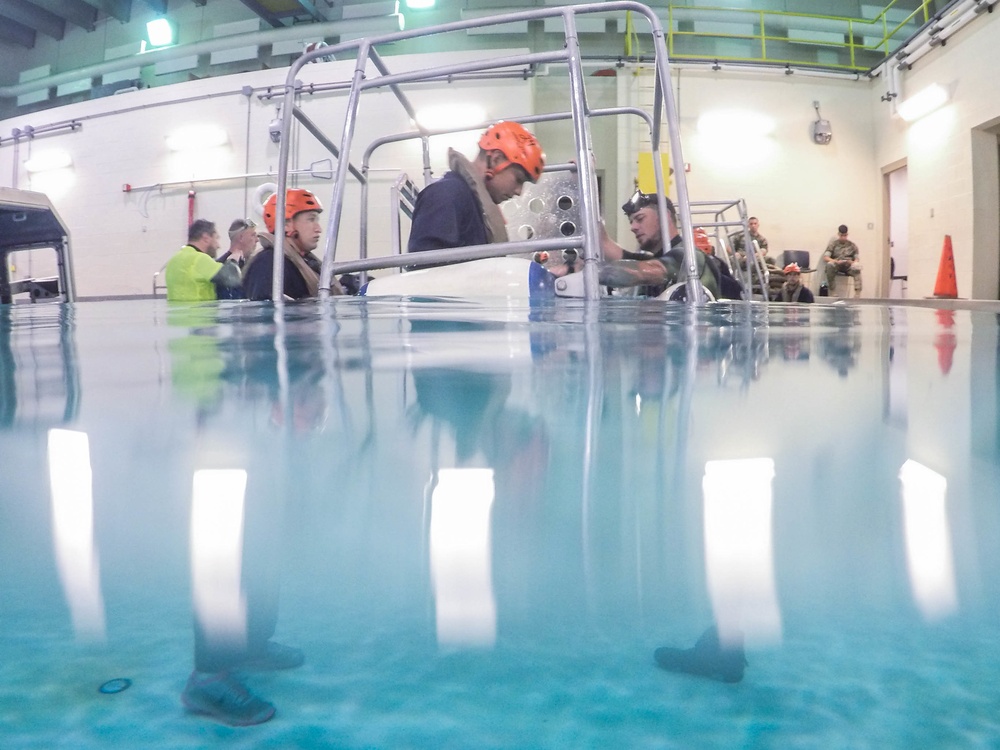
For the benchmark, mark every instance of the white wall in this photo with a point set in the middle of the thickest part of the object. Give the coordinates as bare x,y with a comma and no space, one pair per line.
941,159
121,239
799,190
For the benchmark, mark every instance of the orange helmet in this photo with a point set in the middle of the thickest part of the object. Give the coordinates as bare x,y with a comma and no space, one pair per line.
517,144
701,240
297,200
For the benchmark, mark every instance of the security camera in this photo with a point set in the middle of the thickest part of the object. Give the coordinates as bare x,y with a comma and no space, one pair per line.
822,132
274,130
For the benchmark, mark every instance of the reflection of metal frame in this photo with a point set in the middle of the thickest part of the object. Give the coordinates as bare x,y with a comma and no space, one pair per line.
28,221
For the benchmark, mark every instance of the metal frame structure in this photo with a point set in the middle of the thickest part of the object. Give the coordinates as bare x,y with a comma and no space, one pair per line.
372,73
28,221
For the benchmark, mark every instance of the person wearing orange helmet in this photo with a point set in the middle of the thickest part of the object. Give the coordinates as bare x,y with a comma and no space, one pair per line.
792,290
461,209
302,234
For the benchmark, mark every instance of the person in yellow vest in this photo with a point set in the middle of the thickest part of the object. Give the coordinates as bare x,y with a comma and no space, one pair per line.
193,272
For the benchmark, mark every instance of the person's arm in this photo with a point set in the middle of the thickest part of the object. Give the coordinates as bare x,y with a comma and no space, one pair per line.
623,273
828,253
228,275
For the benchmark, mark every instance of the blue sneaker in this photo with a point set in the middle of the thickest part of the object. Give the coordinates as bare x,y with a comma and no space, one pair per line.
222,697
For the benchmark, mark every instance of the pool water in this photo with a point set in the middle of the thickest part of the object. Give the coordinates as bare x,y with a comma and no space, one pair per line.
479,521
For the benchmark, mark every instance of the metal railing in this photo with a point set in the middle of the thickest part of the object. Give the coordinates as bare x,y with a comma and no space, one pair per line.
371,74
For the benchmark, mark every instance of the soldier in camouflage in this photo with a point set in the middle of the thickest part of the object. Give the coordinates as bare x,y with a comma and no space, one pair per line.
842,257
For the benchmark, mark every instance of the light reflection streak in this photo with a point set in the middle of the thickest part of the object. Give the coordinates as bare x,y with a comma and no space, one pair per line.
460,557
929,558
739,558
217,555
71,483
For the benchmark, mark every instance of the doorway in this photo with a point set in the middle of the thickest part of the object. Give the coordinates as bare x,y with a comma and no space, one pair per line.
897,229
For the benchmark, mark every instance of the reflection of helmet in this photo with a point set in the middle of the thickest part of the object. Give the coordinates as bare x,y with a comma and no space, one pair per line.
297,200
791,268
517,144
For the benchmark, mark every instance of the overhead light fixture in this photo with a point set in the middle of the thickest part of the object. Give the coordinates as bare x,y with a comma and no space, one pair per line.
192,137
46,161
419,4
159,32
923,102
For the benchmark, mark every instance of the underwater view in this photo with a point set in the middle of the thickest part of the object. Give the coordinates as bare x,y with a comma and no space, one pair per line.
428,523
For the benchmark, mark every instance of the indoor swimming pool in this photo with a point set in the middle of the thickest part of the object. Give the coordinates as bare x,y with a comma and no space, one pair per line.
479,522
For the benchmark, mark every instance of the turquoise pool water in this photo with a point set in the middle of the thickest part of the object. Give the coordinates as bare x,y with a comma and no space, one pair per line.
481,521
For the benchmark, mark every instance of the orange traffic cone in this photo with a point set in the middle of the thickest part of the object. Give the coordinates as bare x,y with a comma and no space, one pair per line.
945,287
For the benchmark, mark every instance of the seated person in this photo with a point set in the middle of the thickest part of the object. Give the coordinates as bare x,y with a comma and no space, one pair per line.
739,241
793,290
192,274
651,268
461,209
842,257
302,233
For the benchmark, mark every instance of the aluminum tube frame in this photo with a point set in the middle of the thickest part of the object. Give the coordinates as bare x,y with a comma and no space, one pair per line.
456,254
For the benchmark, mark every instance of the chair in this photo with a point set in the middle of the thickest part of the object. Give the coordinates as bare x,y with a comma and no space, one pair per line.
795,256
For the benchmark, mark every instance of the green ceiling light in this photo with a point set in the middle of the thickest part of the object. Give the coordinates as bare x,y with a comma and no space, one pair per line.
419,4
160,32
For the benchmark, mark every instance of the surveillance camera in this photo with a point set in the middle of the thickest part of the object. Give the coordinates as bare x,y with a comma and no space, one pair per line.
274,130
822,132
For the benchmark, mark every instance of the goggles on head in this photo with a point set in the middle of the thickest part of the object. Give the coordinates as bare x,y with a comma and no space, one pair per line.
640,199
241,225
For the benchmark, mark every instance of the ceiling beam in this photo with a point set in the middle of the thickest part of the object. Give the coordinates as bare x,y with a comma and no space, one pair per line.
34,17
310,7
264,13
120,9
76,12
13,32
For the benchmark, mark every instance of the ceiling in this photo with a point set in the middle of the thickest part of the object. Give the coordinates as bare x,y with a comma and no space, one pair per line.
22,22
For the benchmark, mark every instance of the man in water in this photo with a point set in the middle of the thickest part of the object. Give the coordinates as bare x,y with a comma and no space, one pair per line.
193,273
462,208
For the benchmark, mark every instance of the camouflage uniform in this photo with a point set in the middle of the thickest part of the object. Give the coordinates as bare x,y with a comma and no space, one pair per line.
839,250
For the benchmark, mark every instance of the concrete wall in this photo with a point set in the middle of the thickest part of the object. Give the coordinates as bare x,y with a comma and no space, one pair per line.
951,158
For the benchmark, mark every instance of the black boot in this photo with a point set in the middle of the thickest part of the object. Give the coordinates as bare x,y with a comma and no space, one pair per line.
708,658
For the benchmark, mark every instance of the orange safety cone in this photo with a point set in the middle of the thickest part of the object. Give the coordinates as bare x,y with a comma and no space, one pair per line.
945,342
945,287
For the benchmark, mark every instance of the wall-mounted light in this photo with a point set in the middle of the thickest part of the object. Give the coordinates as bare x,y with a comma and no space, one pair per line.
46,161
159,32
923,102
192,137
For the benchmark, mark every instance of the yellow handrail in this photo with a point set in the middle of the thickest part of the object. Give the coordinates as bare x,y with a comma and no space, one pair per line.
771,23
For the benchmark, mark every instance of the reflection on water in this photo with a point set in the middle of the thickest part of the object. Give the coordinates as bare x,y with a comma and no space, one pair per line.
483,521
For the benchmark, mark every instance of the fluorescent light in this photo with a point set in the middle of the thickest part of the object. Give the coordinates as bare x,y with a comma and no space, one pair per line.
193,137
923,102
71,482
45,161
419,4
160,32
929,556
460,557
739,550
447,116
217,520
